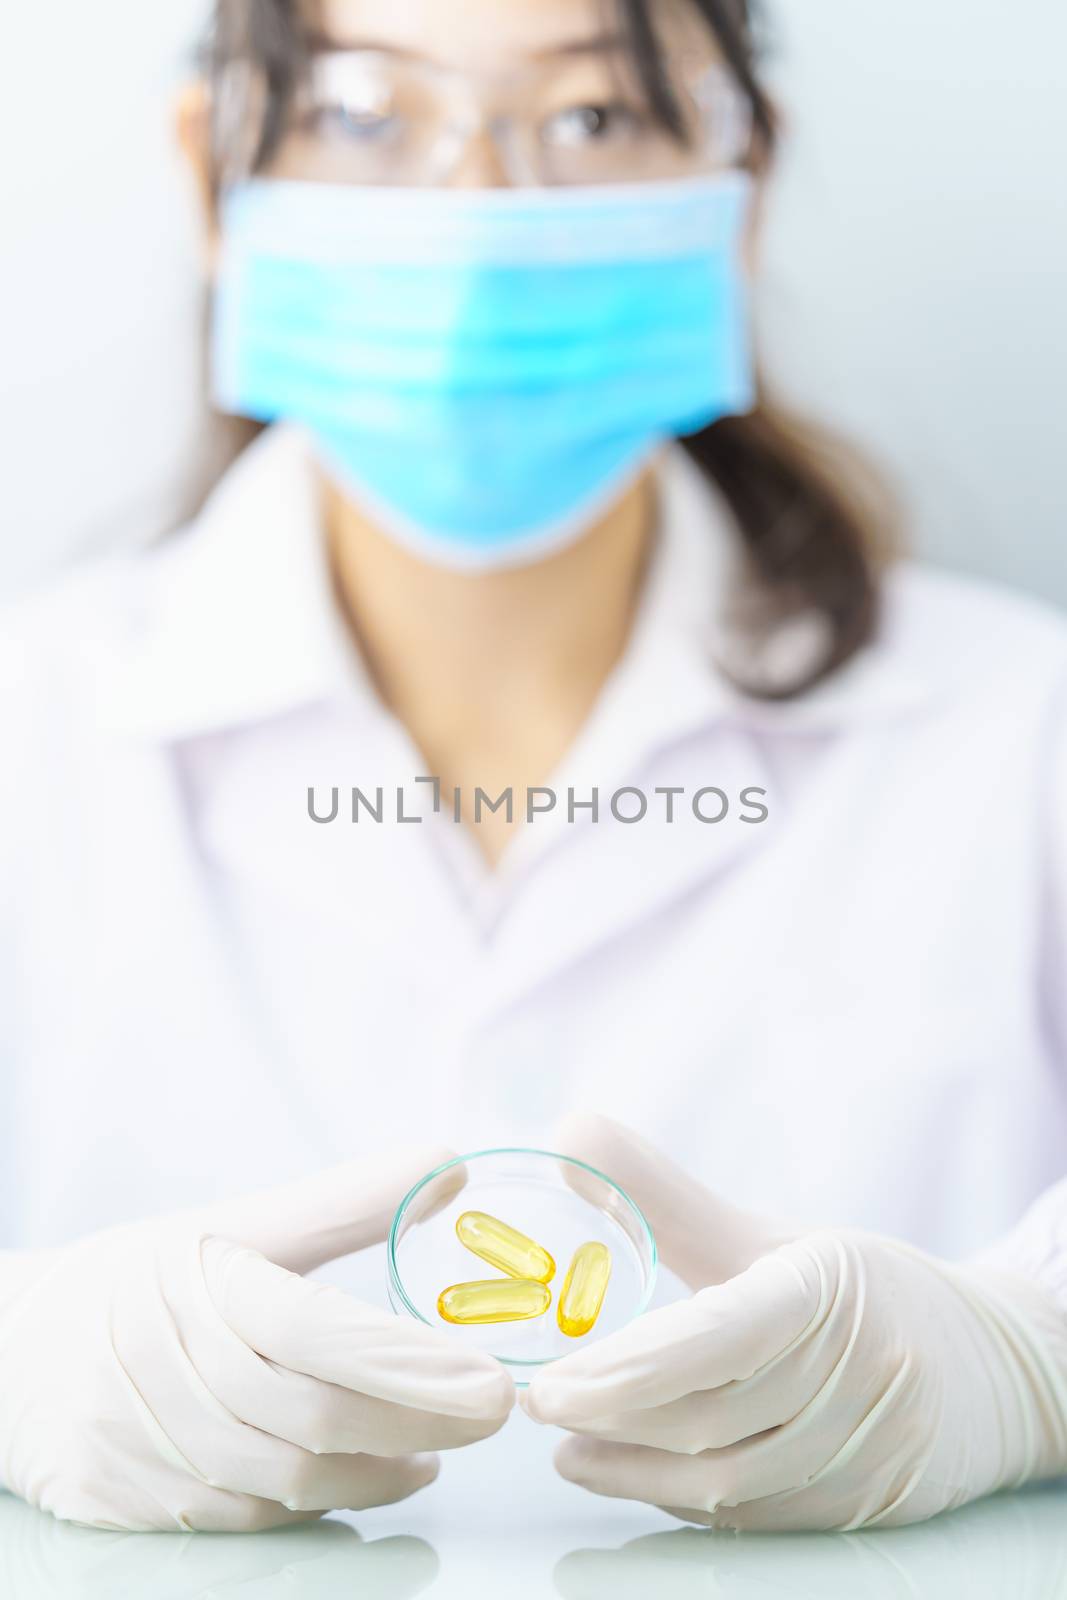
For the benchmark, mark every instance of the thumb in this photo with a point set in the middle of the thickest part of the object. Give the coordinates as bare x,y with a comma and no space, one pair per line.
333,1213
699,1236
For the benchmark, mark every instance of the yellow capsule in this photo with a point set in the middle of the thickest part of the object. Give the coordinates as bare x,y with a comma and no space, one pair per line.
494,1300
504,1248
584,1289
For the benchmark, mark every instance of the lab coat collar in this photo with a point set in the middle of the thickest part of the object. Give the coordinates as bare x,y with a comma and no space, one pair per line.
238,622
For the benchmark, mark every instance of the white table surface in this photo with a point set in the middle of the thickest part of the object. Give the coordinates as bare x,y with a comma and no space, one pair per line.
499,1523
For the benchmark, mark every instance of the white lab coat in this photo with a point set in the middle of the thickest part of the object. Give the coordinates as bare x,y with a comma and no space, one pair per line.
853,1013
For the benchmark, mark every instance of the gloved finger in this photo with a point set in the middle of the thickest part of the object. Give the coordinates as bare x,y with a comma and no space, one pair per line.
703,1519
103,1485
353,1483
362,1484
238,1513
838,1464
631,1472
777,1513
844,1428
317,1415
316,1329
775,1394
722,1335
192,1508
713,1419
330,1214
699,1236
189,1429
798,1419
435,1192
302,1482
321,1417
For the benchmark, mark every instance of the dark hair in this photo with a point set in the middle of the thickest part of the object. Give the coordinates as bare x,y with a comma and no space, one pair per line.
812,522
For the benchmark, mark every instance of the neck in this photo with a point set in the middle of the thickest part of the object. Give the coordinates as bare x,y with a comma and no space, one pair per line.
493,674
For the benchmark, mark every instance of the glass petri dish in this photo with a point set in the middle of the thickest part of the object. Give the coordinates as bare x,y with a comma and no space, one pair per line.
559,1202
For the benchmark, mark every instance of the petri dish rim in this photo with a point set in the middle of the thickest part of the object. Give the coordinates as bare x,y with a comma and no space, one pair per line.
643,1227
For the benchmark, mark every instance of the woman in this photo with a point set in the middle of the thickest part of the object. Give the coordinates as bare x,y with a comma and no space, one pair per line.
781,881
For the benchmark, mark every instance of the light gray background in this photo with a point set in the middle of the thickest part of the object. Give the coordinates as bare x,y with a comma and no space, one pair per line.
916,269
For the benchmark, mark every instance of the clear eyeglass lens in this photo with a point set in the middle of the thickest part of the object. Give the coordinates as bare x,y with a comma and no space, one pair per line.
367,119
363,120
619,141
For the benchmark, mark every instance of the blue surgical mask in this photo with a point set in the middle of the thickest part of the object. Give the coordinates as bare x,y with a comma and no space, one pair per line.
484,371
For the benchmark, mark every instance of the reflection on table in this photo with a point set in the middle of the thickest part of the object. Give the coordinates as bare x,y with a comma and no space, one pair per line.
1010,1548
40,1557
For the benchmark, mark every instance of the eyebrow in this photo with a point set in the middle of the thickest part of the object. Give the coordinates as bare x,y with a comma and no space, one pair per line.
595,44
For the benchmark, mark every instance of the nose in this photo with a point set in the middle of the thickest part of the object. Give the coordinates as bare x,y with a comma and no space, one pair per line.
479,164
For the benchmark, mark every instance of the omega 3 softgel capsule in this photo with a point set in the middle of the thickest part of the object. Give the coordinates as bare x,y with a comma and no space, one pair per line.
584,1289
494,1300
504,1248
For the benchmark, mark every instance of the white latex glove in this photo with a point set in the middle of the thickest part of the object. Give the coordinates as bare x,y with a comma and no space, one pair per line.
839,1380
179,1374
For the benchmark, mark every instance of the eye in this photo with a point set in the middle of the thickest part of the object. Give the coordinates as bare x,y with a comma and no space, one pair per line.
358,124
591,124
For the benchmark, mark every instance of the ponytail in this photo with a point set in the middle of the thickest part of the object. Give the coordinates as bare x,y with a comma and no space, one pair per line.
816,529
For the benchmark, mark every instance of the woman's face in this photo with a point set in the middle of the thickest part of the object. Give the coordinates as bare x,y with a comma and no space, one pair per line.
487,92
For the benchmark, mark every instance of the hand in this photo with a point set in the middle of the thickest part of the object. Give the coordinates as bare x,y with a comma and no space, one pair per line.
179,1374
839,1380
